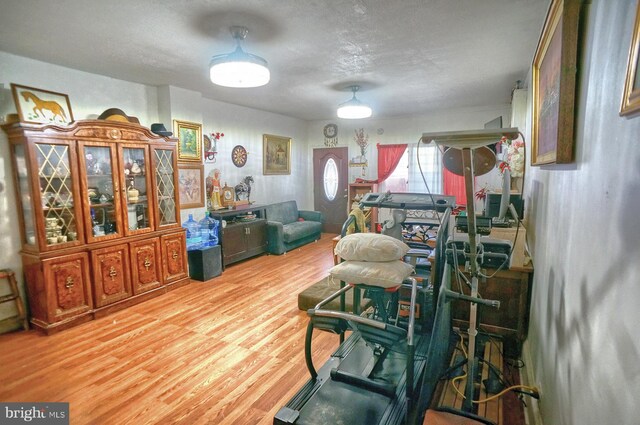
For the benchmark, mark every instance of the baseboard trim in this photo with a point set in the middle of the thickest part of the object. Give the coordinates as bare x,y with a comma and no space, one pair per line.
532,414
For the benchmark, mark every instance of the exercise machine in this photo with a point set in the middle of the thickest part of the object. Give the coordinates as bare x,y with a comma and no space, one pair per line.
377,374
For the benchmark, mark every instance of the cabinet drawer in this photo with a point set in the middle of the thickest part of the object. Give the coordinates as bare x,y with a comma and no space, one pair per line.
111,278
146,271
174,253
68,286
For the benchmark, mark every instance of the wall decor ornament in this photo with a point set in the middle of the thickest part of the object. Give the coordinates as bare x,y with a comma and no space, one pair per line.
554,84
191,185
189,136
211,146
631,96
41,106
276,154
330,135
239,156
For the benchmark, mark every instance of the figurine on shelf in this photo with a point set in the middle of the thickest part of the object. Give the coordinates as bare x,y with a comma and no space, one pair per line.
132,193
214,189
91,162
135,168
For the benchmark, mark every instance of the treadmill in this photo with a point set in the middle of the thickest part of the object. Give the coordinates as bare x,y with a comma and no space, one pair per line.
376,375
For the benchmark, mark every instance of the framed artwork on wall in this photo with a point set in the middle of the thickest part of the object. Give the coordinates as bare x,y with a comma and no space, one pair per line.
276,154
189,140
631,96
554,85
191,185
41,106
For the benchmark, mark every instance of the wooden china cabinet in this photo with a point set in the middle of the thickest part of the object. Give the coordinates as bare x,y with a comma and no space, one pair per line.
99,218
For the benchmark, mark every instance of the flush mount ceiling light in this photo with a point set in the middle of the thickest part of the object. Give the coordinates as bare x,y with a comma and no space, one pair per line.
239,68
353,108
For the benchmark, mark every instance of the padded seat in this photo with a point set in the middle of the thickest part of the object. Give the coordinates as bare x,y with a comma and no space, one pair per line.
299,229
317,292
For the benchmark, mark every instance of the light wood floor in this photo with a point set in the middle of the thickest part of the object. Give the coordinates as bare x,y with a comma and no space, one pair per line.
226,351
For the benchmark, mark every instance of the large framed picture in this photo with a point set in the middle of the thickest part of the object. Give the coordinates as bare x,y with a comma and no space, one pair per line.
631,96
191,185
554,85
276,154
189,140
41,106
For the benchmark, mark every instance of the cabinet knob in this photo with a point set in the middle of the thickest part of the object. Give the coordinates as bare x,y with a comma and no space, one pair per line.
112,272
174,254
69,283
147,263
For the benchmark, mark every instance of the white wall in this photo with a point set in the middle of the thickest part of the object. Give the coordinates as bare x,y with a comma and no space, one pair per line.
91,94
584,235
246,126
408,130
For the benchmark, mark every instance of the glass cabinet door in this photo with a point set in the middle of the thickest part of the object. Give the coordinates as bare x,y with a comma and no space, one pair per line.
136,195
100,186
57,194
166,186
26,208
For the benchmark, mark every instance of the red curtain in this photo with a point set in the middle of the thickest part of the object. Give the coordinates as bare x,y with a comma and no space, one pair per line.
454,186
388,158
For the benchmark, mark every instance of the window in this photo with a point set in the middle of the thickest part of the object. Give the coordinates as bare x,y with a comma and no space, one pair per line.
407,177
330,178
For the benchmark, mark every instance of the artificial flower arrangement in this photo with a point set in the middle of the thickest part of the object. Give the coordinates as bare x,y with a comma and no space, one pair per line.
215,137
514,157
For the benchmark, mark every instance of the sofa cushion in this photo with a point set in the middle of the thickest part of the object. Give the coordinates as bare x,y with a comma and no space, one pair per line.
293,231
370,247
283,212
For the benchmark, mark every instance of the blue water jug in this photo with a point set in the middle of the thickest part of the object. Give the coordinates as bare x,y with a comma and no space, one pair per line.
194,237
209,230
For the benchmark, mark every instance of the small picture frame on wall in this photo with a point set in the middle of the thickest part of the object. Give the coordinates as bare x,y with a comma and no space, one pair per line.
189,140
191,185
40,106
554,85
631,96
276,154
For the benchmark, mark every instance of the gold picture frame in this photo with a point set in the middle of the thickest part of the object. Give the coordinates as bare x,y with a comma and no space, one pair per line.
554,85
631,95
40,106
276,154
189,136
191,185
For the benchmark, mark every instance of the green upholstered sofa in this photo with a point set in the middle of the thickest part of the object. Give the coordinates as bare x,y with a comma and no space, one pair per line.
284,229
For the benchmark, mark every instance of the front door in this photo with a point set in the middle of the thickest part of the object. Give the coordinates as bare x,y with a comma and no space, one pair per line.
330,180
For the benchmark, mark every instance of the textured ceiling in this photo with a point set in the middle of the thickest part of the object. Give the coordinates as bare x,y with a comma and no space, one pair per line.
409,56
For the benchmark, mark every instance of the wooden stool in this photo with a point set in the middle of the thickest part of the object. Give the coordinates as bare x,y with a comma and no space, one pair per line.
13,296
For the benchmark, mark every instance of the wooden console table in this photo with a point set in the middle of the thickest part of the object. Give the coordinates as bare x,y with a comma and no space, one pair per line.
240,239
512,287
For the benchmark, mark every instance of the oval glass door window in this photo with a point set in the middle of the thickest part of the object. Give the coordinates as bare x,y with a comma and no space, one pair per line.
330,178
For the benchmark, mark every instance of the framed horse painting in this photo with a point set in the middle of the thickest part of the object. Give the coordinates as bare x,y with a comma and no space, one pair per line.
41,106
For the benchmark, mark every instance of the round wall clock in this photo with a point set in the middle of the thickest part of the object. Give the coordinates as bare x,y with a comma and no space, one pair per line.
239,156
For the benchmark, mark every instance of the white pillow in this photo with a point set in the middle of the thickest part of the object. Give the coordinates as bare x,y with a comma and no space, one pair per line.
370,247
385,274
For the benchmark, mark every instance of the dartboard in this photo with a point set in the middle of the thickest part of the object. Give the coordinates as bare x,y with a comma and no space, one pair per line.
239,156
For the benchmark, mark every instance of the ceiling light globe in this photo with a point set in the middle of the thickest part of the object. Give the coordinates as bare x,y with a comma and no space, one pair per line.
239,74
352,112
